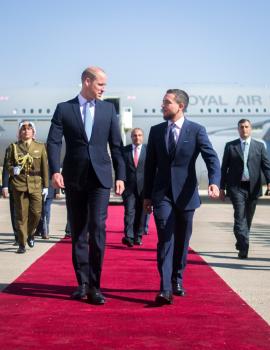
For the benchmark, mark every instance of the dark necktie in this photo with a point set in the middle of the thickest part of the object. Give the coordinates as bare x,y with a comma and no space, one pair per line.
171,141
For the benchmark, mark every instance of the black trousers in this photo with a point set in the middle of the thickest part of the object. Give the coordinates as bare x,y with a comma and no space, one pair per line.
244,208
134,216
87,212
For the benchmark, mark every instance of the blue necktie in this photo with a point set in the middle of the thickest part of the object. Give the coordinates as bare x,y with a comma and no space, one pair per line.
245,152
88,120
171,141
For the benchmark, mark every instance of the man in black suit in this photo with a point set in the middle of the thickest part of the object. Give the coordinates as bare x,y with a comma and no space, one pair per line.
134,156
242,163
171,187
88,126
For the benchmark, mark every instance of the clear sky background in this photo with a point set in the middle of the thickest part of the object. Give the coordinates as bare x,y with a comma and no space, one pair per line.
147,43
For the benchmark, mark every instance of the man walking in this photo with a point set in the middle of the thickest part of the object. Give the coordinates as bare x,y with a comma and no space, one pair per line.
243,161
171,187
88,126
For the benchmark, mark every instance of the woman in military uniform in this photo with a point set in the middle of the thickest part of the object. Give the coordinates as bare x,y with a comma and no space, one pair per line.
28,168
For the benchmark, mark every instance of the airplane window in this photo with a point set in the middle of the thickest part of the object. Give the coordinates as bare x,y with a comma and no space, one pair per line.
225,110
233,110
257,110
249,110
201,110
145,110
40,111
153,110
209,110
48,111
23,110
217,110
31,111
241,110
264,110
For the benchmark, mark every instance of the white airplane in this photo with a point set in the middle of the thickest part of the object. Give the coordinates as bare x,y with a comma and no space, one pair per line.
217,107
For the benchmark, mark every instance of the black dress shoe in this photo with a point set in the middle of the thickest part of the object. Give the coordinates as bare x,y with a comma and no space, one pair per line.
31,241
95,297
21,250
164,298
243,254
138,241
178,290
80,293
127,241
45,236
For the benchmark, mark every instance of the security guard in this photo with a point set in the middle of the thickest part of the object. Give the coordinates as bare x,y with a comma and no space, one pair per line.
28,168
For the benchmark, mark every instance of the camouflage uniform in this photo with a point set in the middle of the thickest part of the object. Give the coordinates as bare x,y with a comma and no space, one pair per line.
27,186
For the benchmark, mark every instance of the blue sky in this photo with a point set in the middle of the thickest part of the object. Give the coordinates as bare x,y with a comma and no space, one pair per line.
148,43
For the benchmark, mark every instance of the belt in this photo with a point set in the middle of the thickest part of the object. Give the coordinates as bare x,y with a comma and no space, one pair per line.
31,173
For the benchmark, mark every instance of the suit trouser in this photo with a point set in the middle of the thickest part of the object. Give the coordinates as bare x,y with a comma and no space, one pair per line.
87,212
174,228
134,215
244,208
28,207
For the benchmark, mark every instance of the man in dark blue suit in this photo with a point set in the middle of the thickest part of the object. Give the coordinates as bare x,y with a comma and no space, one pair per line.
134,218
171,187
88,126
243,162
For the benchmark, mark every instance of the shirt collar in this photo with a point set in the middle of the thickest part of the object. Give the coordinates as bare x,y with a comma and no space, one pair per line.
246,140
83,100
179,122
138,147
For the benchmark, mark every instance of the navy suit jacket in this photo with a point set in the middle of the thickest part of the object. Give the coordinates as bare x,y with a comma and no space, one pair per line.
233,166
180,173
134,176
67,122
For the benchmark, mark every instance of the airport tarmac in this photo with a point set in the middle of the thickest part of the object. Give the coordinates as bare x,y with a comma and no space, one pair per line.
212,239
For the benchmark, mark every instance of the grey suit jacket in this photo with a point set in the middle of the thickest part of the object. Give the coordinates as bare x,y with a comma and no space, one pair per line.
233,165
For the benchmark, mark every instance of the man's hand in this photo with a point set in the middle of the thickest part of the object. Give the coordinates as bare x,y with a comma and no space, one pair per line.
147,206
213,191
5,192
119,187
58,181
222,195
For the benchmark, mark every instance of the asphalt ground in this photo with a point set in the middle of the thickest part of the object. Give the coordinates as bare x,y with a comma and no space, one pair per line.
212,239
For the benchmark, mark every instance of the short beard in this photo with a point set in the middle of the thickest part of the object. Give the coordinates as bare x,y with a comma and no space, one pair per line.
168,117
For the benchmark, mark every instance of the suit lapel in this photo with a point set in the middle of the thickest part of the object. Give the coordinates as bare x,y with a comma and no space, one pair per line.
184,132
142,156
238,149
130,156
78,116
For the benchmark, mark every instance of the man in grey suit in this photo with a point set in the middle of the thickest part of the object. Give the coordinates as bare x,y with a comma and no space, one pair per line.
242,163
134,156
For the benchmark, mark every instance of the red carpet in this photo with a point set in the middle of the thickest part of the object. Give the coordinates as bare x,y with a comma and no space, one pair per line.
36,312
